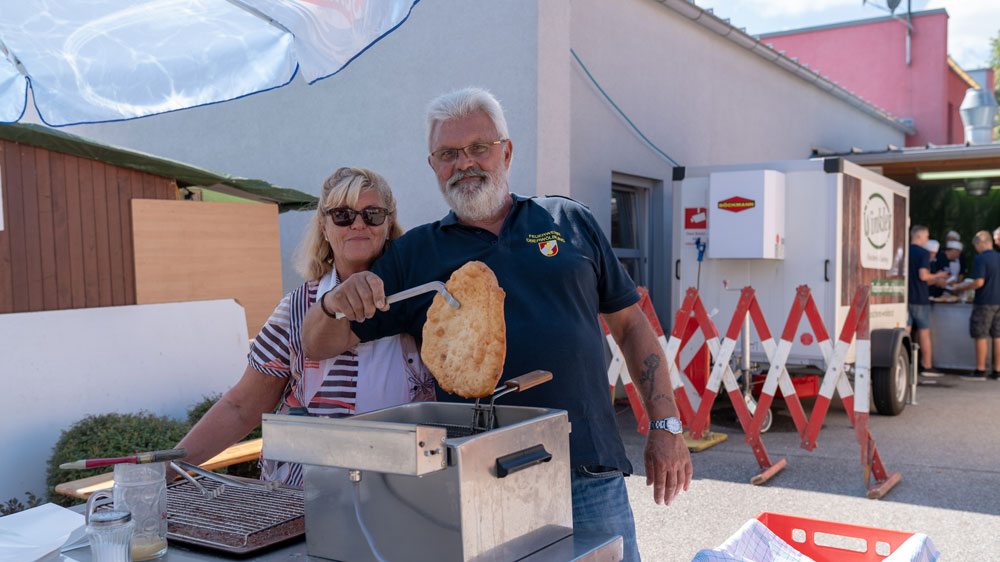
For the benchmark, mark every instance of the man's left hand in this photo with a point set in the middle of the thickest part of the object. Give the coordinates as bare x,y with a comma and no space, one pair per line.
668,465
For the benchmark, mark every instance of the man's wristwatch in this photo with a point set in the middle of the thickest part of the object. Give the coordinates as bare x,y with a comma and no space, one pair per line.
671,424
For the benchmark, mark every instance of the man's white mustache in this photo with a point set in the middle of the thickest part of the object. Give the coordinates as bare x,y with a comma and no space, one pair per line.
457,176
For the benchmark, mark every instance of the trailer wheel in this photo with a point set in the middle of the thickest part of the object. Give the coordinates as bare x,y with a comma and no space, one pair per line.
768,419
752,407
889,385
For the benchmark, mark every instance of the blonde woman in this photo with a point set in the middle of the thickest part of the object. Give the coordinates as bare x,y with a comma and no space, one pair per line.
354,221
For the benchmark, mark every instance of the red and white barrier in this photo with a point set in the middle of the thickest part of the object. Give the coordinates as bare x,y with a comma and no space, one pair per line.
619,370
696,417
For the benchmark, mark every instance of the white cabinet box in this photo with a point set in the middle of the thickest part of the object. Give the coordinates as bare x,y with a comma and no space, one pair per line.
746,214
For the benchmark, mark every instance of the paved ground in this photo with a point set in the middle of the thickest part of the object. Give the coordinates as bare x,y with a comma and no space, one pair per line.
947,448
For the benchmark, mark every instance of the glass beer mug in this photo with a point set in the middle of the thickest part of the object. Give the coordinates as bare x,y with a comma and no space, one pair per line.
142,490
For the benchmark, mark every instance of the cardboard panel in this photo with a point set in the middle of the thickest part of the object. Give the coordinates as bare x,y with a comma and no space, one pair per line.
192,250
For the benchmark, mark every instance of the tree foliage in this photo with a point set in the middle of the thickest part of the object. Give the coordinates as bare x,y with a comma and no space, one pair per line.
944,208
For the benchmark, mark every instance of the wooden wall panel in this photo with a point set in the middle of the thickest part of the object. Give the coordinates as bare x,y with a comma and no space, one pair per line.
89,225
74,231
101,232
192,250
60,232
126,182
15,226
46,230
115,256
67,238
6,279
32,232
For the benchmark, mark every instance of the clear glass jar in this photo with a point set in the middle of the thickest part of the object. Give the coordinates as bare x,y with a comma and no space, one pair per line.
110,535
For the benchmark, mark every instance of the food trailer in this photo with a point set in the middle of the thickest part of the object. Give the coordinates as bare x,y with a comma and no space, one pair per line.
826,223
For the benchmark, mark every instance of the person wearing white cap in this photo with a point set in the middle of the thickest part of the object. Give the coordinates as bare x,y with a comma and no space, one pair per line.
984,323
949,259
952,261
936,289
932,246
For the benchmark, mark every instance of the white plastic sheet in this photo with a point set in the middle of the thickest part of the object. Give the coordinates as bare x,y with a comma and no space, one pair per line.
107,60
35,533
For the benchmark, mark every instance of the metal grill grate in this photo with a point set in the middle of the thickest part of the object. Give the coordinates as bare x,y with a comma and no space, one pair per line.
239,520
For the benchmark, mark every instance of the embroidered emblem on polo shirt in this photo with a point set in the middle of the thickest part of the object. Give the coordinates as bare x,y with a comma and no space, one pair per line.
549,248
548,242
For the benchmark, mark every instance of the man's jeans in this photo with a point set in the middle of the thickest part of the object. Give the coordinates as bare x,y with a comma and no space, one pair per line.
600,503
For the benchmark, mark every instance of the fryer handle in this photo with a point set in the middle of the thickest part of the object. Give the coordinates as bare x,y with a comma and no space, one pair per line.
509,464
528,380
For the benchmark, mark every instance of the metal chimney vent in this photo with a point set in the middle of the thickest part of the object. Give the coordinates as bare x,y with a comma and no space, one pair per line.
978,110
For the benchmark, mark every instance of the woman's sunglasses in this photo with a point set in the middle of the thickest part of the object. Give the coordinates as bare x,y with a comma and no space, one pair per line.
344,216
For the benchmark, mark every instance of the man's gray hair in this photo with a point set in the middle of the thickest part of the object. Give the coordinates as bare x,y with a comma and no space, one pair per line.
464,102
982,238
917,229
996,232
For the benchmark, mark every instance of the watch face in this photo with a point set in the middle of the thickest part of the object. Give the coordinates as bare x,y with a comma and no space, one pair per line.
674,425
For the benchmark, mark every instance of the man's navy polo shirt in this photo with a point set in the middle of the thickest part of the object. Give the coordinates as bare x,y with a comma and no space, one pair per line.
917,290
558,271
987,267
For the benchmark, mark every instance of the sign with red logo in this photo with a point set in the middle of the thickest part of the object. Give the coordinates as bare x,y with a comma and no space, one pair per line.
736,204
695,218
549,248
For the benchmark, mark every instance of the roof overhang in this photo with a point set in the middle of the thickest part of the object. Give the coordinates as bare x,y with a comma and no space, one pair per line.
969,80
909,165
185,175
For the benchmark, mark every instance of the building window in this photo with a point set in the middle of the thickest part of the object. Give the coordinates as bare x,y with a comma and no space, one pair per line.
629,229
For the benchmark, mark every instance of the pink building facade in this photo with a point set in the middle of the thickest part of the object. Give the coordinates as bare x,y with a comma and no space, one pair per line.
869,57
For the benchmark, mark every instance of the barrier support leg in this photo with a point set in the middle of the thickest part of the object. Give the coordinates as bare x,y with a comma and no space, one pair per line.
707,440
768,473
884,481
704,438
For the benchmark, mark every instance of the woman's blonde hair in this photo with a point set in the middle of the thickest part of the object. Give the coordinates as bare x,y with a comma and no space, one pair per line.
314,257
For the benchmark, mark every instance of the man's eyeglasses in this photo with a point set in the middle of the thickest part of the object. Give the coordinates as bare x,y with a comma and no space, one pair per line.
344,216
476,150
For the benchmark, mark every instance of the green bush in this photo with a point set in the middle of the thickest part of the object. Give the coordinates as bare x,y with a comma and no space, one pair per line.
199,409
14,505
108,435
118,435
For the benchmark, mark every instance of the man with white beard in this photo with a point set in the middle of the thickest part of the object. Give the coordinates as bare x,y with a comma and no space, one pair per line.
559,274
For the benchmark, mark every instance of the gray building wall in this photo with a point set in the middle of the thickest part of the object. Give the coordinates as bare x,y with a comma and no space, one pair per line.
699,97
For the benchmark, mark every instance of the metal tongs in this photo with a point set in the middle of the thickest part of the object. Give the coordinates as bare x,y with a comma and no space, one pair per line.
183,468
484,417
419,290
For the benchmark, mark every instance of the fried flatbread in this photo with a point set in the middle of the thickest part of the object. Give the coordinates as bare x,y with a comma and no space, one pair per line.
465,348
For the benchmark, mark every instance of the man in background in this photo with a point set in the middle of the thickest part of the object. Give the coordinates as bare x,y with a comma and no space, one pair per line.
918,281
985,319
932,247
950,260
